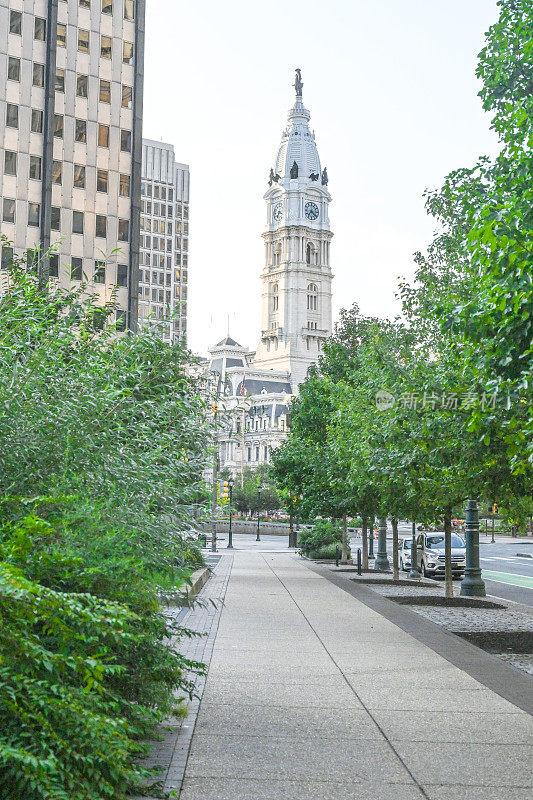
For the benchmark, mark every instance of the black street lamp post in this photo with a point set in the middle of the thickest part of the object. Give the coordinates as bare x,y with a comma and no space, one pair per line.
414,555
259,490
381,563
230,533
472,584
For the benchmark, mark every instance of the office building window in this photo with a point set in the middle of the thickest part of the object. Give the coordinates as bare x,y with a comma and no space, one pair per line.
58,125
121,318
102,180
124,185
105,91
36,121
38,75
10,162
129,9
55,218
107,6
60,80
105,46
8,210
12,115
80,131
7,256
39,31
127,96
82,85
83,41
103,136
79,176
34,214
125,145
35,168
101,226
76,269
128,51
77,222
61,35
53,265
124,230
99,272
122,275
15,22
57,172
13,69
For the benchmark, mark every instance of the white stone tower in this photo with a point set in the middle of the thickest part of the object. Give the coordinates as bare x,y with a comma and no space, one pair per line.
296,280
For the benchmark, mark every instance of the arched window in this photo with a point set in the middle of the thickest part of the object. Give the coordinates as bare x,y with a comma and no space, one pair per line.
312,297
308,253
275,297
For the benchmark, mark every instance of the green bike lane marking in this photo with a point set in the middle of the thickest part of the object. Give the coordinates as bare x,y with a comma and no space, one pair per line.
508,577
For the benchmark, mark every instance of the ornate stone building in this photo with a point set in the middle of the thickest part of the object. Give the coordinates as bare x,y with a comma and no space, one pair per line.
258,387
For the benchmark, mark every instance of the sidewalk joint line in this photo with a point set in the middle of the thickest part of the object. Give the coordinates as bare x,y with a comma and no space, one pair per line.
376,723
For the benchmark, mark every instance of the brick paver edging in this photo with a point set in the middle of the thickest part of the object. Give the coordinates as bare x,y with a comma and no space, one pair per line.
172,752
489,670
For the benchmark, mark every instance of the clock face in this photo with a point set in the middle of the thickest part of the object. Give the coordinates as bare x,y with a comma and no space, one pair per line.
311,211
277,212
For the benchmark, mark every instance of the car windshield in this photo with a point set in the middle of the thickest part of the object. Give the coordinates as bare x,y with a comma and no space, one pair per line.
407,544
437,542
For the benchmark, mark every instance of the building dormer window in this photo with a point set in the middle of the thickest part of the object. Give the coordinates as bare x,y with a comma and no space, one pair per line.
312,297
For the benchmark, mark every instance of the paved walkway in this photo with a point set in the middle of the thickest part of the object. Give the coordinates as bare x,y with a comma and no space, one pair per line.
313,694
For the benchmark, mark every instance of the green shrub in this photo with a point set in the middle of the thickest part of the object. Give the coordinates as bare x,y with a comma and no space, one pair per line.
102,447
326,552
323,534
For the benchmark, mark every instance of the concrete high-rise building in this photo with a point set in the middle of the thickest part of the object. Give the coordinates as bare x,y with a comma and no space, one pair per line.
164,260
71,102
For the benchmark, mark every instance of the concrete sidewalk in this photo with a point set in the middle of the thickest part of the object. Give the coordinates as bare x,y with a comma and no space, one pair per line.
313,694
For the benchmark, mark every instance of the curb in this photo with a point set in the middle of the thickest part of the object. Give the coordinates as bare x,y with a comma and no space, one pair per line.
185,596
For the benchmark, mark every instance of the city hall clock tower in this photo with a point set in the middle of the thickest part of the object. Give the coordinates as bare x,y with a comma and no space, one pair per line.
296,279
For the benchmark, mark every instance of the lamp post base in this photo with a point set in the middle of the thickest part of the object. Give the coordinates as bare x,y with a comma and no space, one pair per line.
472,584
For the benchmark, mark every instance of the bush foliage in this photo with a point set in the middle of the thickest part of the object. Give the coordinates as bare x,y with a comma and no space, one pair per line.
321,540
102,446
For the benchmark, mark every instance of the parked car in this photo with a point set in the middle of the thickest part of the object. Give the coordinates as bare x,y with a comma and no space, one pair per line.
404,552
430,554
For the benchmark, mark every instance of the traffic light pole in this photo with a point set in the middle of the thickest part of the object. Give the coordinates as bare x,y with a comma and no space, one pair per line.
230,533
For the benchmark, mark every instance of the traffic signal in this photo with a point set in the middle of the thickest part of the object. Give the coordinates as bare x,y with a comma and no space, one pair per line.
224,490
495,508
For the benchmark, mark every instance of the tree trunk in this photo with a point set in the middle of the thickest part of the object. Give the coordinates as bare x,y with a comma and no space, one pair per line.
344,554
395,566
448,577
365,542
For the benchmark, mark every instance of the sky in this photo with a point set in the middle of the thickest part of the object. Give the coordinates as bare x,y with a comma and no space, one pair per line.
392,92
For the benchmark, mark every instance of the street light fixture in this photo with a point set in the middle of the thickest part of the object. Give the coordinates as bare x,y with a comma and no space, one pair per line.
230,534
259,490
